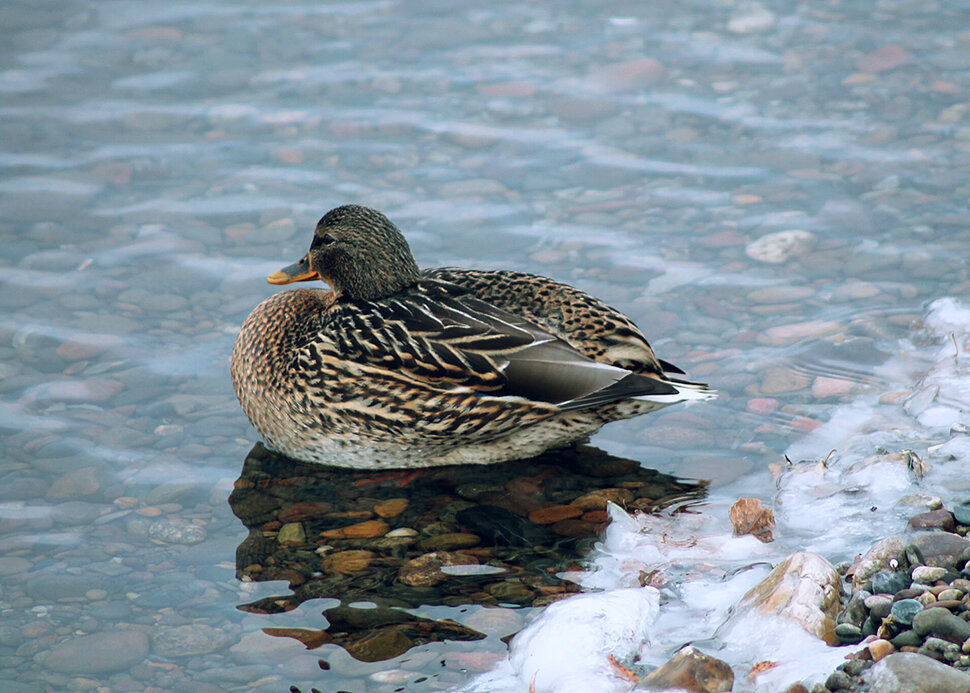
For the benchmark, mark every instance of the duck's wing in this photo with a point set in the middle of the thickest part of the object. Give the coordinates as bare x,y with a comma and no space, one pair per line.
442,336
591,326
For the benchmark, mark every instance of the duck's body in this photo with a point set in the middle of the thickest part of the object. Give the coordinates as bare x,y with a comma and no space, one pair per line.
454,367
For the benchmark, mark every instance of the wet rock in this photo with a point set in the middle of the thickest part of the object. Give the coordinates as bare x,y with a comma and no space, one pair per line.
48,588
905,610
391,507
934,519
597,500
368,529
99,653
11,565
961,512
880,648
856,609
450,542
848,633
907,638
749,517
927,575
889,582
77,484
691,670
878,605
189,640
838,681
940,623
554,513
940,548
304,511
291,533
805,588
176,531
780,246
425,571
347,562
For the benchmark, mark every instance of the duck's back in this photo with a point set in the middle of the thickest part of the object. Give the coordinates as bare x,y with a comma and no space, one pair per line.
588,324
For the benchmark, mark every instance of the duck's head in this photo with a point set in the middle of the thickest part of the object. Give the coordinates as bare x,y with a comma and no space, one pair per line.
358,252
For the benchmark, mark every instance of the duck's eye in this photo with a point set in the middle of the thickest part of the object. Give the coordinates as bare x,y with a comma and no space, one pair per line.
327,239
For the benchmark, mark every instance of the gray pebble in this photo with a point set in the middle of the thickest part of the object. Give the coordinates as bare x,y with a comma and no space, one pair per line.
905,610
940,623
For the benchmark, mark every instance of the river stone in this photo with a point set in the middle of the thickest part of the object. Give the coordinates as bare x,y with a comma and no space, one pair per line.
46,588
905,610
940,548
961,512
189,640
848,633
908,672
877,558
691,670
878,605
940,623
99,653
927,575
176,531
934,519
805,588
886,582
780,246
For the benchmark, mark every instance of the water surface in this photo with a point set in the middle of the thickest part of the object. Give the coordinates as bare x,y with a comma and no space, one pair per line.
157,162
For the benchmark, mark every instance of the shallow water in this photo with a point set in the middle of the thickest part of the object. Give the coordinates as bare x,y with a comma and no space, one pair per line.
157,162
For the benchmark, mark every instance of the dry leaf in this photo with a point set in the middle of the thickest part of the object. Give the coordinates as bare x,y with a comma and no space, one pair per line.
760,667
749,517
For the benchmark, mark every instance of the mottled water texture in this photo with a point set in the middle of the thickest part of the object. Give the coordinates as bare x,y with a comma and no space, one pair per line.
773,191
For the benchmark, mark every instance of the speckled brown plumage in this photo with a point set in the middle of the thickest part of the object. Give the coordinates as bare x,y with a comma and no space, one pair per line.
396,368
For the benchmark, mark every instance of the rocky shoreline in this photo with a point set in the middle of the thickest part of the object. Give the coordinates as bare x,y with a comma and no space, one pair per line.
902,610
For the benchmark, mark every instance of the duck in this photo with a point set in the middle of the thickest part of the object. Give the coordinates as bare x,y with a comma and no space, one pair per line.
394,367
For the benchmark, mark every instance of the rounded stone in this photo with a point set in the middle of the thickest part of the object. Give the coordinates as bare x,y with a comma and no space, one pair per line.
886,582
189,640
961,512
99,653
848,633
940,623
904,610
927,575
879,606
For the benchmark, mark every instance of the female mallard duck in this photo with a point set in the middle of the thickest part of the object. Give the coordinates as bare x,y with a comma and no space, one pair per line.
395,367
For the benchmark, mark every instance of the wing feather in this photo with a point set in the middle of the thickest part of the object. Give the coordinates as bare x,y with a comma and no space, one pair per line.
440,335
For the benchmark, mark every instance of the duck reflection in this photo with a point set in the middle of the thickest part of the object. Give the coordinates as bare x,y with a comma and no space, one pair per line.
500,535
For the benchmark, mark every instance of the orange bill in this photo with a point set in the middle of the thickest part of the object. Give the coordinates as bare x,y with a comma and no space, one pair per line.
299,271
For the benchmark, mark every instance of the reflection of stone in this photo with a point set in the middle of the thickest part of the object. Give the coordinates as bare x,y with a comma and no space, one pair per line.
805,588
388,538
691,670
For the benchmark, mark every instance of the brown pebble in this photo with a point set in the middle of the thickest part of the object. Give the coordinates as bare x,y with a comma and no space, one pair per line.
392,507
304,511
554,513
934,519
450,542
952,604
596,516
597,500
574,528
346,562
425,571
880,648
361,530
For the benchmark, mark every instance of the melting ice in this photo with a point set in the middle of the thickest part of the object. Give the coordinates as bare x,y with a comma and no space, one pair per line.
850,482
